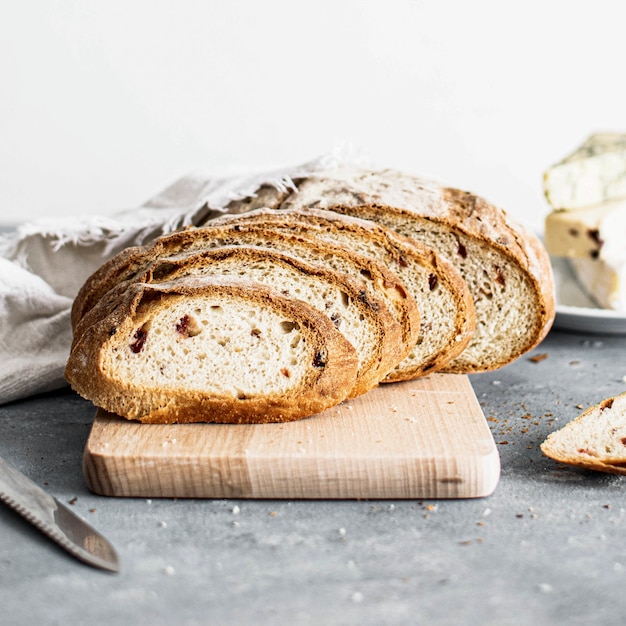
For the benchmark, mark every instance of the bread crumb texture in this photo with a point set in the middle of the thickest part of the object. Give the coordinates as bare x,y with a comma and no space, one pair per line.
596,439
210,345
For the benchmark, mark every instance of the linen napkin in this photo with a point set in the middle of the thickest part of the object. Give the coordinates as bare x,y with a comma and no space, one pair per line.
43,264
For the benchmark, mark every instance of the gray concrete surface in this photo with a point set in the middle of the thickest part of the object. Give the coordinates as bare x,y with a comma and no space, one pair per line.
548,547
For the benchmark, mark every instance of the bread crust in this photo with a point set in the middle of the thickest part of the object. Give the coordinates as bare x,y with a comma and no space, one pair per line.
324,387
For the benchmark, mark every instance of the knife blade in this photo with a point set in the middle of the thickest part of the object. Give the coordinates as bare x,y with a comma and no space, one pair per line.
55,520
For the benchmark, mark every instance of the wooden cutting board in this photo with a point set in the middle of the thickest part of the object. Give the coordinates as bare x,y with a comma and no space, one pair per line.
420,439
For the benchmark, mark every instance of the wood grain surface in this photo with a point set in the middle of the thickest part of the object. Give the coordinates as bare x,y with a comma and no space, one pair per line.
426,438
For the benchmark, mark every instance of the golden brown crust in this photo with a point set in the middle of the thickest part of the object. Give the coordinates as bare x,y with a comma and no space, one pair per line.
116,270
596,466
326,386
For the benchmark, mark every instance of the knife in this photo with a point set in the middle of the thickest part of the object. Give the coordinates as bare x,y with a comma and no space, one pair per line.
55,520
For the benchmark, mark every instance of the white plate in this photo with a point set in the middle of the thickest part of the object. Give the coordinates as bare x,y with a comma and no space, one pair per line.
576,311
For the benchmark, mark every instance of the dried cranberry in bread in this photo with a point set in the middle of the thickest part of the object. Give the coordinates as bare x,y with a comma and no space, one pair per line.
363,319
506,268
211,350
443,299
595,440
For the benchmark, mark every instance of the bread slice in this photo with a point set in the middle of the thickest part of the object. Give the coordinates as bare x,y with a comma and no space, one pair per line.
363,319
595,440
506,268
443,299
211,349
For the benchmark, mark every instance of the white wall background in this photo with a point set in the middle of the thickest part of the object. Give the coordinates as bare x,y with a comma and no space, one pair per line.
102,104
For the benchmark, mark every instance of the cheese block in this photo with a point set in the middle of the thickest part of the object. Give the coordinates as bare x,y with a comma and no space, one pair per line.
597,232
604,282
594,173
593,241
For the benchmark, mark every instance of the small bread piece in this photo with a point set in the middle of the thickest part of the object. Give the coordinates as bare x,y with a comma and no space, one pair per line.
363,319
443,299
506,268
211,349
595,440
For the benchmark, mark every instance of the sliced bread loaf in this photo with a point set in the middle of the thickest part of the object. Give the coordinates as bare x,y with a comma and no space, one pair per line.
443,299
362,318
595,440
506,268
211,350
